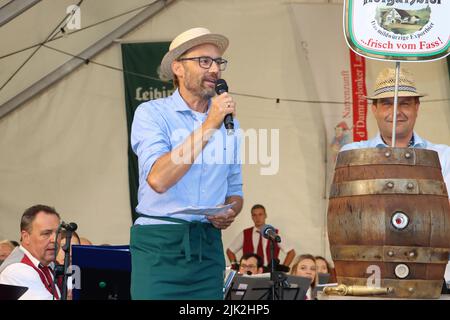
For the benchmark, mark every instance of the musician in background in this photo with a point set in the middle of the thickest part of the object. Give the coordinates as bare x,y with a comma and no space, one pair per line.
31,264
250,263
305,266
251,241
6,247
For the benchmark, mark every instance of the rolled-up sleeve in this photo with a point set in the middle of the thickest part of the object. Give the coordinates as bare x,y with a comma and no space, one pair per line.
235,181
149,138
234,177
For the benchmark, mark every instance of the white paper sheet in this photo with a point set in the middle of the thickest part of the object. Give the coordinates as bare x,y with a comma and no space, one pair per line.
206,211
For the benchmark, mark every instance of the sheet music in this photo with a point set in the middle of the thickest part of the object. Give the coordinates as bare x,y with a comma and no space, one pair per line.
203,210
265,275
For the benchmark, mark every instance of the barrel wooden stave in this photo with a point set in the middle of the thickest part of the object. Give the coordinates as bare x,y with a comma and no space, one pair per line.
360,228
367,221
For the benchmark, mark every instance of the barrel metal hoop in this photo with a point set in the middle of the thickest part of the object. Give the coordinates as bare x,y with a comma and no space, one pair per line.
388,186
387,156
390,254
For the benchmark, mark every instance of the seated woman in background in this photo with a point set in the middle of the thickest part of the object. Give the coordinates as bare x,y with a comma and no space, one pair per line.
305,266
6,247
75,240
323,266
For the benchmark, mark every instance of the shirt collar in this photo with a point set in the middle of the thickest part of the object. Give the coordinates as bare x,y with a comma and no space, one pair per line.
181,106
418,142
35,261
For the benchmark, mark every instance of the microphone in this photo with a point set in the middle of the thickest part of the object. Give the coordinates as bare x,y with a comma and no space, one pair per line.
269,232
221,87
72,226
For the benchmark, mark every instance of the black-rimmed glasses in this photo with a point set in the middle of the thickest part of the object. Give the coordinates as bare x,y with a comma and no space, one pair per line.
206,62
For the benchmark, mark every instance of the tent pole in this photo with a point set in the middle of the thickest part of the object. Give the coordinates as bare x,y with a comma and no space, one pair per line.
15,8
82,57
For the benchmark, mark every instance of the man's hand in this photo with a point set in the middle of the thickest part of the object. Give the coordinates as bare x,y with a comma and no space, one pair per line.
223,220
221,105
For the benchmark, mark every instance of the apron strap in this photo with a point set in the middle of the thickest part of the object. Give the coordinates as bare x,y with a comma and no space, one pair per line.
168,219
190,226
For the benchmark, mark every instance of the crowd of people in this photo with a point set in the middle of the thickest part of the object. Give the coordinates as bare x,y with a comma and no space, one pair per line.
256,255
315,268
256,258
22,263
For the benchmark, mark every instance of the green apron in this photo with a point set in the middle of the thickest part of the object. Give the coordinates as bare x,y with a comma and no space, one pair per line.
183,261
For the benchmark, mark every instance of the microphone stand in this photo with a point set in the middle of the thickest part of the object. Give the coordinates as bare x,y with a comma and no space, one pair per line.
66,249
57,270
278,278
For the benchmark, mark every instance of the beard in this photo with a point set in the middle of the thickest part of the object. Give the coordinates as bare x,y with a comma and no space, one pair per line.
197,84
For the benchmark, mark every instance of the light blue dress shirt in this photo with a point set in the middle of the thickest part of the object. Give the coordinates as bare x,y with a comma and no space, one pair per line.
442,150
161,125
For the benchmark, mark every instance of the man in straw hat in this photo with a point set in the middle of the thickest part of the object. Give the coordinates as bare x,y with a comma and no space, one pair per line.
180,256
408,107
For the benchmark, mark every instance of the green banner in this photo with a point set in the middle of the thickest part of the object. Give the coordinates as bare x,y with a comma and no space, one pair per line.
140,65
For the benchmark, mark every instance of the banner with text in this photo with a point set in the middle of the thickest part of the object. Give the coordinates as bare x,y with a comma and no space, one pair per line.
140,65
401,30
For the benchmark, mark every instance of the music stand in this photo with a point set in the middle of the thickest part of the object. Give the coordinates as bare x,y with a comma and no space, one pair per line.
105,272
259,287
323,279
230,274
10,292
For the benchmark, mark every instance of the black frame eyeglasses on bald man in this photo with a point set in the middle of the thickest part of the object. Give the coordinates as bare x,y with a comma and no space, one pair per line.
206,62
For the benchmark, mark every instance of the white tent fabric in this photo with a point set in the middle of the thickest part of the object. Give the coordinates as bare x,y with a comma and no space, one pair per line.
67,147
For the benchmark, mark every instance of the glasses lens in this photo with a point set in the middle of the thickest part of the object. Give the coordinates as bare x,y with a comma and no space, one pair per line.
222,64
205,62
250,266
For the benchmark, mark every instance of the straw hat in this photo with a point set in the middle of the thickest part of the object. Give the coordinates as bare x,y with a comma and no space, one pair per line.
187,40
385,85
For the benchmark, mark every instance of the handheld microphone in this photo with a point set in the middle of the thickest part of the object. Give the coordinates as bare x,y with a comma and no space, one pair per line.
72,226
270,233
221,87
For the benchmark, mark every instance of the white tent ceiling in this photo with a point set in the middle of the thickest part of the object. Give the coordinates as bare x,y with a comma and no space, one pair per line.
22,67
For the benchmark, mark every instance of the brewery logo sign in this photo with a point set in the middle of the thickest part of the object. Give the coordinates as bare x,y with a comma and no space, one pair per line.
402,30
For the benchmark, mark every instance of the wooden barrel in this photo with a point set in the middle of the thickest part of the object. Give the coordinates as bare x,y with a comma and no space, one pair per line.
389,221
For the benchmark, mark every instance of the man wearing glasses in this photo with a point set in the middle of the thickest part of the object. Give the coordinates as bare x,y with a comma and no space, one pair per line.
250,264
186,160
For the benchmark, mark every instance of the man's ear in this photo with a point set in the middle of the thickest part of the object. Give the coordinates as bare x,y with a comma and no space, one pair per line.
177,68
25,236
374,106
